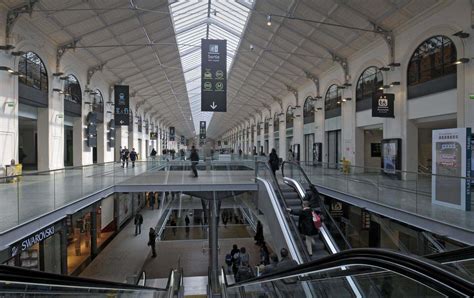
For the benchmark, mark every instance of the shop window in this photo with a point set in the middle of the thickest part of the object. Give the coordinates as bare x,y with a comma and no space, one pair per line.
332,102
431,68
368,87
290,117
276,123
33,72
308,110
72,90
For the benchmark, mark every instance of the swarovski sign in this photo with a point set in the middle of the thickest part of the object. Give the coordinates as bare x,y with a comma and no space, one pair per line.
383,106
32,240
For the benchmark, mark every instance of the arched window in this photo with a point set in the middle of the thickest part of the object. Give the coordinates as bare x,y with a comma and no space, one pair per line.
266,126
432,68
33,72
258,128
140,123
308,110
72,90
289,117
276,122
368,86
332,102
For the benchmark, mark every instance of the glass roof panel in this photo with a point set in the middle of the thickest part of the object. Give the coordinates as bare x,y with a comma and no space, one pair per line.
227,19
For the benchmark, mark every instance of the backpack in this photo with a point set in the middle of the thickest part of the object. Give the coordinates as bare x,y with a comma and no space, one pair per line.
228,259
316,220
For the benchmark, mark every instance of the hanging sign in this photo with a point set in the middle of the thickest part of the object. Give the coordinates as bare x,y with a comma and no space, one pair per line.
172,133
383,106
122,109
451,161
202,130
365,217
153,135
213,75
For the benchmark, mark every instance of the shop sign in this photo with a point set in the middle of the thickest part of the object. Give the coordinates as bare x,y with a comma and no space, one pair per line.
365,217
451,151
213,75
32,240
122,108
202,130
383,106
336,209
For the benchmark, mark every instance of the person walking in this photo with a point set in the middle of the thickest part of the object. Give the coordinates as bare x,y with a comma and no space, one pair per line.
290,156
240,153
133,157
306,225
152,241
182,154
264,254
259,234
125,155
138,223
173,226
274,161
194,160
153,154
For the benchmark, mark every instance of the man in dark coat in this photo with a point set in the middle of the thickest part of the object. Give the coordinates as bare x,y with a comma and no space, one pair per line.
274,161
194,160
306,225
151,241
138,223
133,157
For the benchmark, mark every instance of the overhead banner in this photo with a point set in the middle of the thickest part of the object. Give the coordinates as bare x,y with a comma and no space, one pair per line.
202,130
451,160
213,75
172,133
122,102
384,106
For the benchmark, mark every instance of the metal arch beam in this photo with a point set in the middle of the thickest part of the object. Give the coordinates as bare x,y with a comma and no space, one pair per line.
315,79
91,71
13,15
293,91
61,50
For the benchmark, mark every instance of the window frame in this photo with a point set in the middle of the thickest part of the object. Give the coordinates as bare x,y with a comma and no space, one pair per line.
25,78
332,105
371,88
308,110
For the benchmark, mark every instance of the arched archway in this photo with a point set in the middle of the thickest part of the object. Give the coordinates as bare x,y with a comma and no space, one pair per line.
72,120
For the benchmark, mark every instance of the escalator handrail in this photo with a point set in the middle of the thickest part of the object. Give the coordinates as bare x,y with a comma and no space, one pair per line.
425,271
326,212
443,257
17,274
259,164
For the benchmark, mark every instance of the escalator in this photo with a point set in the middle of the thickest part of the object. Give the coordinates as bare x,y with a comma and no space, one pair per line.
20,282
378,272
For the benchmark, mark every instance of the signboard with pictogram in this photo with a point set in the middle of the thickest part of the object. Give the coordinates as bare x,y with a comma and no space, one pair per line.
383,106
213,75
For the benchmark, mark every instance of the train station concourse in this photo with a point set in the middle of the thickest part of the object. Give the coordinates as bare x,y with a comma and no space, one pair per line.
236,148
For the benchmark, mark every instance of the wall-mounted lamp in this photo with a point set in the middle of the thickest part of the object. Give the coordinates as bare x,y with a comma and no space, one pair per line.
63,78
7,47
319,109
384,87
269,20
341,87
59,116
58,74
6,68
461,34
384,68
394,64
109,112
346,99
10,104
58,90
17,53
462,61
347,84
394,84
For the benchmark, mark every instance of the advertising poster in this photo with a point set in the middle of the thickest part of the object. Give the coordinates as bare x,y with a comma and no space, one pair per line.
213,75
122,109
451,161
391,156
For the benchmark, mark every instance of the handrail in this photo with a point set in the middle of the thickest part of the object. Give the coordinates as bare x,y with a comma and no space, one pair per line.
276,184
17,274
457,255
425,271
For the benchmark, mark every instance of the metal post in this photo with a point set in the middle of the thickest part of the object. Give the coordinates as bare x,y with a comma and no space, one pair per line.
95,206
63,246
213,244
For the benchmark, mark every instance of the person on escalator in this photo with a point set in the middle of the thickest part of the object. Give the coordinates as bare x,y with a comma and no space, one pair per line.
312,196
274,161
306,225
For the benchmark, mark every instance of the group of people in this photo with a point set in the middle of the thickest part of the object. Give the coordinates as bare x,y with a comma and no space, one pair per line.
125,155
238,262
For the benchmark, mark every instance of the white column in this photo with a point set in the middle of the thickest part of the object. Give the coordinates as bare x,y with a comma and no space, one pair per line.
44,139
282,133
271,138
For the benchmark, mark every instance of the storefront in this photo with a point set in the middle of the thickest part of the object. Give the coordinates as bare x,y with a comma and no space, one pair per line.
38,251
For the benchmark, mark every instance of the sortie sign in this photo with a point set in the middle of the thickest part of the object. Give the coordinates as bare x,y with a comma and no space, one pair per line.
213,75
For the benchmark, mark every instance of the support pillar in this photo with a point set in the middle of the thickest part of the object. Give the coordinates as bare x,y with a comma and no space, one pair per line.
214,208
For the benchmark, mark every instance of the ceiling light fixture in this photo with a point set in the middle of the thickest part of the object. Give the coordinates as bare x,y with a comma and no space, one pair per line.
269,20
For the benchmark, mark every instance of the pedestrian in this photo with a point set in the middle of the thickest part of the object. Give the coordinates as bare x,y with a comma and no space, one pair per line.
153,154
235,253
264,254
312,196
125,155
259,234
244,272
173,226
306,225
194,160
244,255
228,262
288,286
272,266
186,220
133,156
182,154
121,153
274,161
152,241
240,153
225,218
138,223
290,156
254,151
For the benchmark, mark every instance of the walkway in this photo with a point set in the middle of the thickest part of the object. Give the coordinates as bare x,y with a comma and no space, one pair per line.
125,255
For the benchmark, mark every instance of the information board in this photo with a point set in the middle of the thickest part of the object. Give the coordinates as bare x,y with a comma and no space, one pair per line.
122,105
202,130
213,75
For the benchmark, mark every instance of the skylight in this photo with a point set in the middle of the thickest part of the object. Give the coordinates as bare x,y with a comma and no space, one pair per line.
195,20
